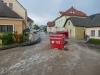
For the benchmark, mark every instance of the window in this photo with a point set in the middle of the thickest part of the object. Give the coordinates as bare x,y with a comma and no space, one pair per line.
61,20
92,33
68,23
98,33
11,5
72,12
6,28
70,31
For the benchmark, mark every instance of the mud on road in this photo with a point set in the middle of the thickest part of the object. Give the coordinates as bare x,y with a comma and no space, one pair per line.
40,60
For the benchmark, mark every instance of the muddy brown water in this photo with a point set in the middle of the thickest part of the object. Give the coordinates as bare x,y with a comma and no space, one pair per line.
38,59
93,48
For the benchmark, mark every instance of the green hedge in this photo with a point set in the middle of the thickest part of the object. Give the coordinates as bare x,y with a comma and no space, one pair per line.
94,41
45,29
6,38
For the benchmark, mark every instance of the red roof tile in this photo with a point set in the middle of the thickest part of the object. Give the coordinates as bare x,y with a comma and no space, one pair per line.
73,12
51,24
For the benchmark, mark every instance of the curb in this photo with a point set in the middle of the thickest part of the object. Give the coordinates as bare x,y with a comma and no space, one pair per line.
93,45
21,45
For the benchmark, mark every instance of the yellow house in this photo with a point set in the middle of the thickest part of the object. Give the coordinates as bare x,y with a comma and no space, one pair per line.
76,27
18,8
93,28
10,20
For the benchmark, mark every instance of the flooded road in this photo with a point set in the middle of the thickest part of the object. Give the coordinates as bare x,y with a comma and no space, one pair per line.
38,59
91,47
94,48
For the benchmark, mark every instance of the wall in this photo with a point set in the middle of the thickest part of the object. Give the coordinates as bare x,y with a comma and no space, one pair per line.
88,32
18,8
28,24
68,27
17,24
59,23
51,29
79,33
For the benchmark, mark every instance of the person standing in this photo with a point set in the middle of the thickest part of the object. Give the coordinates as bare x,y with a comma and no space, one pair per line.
86,38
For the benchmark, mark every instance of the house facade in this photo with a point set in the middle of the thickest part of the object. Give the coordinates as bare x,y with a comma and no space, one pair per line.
30,23
10,20
51,27
76,27
11,25
18,8
60,21
93,32
93,28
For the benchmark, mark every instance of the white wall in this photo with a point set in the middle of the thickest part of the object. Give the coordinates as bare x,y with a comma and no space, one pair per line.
30,23
51,29
59,23
88,32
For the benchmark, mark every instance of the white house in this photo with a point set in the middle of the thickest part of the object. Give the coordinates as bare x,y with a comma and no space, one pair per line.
51,27
60,21
93,28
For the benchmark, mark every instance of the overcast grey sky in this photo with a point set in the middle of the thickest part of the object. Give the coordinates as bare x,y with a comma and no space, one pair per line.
42,11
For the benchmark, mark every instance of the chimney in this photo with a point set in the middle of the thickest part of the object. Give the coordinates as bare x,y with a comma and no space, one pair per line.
73,6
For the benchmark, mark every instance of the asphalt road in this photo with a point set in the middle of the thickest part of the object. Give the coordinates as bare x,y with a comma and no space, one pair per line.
40,60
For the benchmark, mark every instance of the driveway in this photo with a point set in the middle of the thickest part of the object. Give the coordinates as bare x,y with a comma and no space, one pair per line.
40,60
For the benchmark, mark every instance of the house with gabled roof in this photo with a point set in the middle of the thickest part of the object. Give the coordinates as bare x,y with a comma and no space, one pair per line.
51,27
10,20
30,23
93,28
76,26
18,8
60,21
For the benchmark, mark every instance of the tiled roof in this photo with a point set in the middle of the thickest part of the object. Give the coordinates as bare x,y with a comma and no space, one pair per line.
95,22
6,12
73,12
79,21
61,12
92,16
51,24
29,19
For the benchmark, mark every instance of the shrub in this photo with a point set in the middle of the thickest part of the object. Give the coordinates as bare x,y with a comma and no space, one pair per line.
94,41
6,38
45,29
25,36
18,38
21,39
